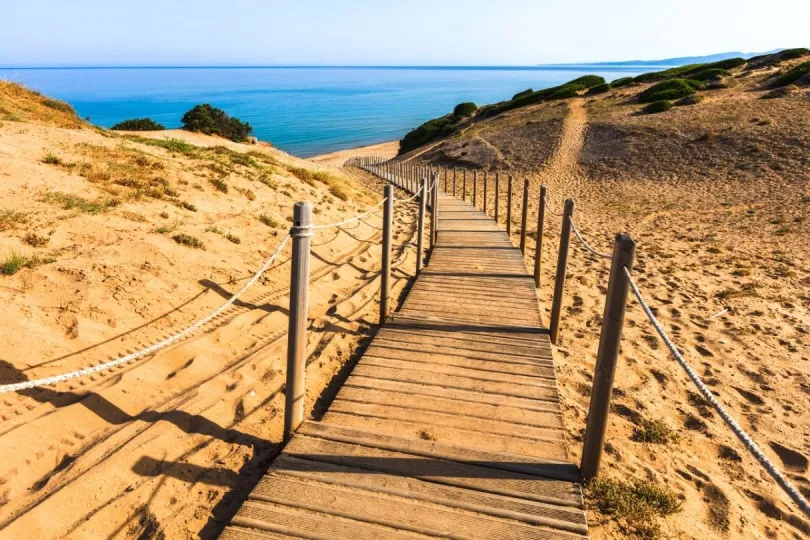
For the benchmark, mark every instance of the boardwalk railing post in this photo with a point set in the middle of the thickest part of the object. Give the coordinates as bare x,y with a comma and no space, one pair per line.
295,393
524,216
607,355
420,233
562,264
464,185
445,179
455,174
485,192
385,282
497,194
509,206
538,248
434,213
475,189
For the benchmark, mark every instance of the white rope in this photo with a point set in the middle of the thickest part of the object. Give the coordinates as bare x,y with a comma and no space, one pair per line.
552,212
752,447
347,221
152,348
585,244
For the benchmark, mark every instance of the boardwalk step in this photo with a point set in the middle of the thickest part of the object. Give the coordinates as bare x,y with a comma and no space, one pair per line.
396,512
560,517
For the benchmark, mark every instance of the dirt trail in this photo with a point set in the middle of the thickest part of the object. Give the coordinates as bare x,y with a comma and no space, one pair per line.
562,170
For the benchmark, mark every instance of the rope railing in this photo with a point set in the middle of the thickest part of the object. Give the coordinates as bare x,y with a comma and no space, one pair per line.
25,385
585,244
741,434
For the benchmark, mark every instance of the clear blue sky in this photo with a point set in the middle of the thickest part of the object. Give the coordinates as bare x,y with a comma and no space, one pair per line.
364,32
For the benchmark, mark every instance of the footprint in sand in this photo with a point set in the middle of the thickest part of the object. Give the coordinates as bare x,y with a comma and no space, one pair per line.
791,459
750,396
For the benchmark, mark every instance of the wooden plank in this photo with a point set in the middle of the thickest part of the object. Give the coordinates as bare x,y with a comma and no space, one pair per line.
437,470
562,517
395,512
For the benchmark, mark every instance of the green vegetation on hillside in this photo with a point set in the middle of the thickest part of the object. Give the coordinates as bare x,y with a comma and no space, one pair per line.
465,109
793,75
588,81
438,127
523,94
708,74
658,107
138,124
686,72
621,81
669,89
600,89
212,121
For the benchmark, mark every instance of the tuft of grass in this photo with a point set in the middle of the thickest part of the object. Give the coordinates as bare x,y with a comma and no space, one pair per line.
34,240
74,202
305,175
16,261
247,193
57,105
188,240
268,181
637,503
188,206
214,229
232,238
338,192
173,145
654,431
269,221
9,218
219,184
51,159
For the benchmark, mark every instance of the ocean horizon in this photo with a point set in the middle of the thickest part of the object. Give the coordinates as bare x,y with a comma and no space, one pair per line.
303,110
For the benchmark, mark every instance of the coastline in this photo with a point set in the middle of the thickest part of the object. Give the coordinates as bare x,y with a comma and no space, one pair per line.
337,159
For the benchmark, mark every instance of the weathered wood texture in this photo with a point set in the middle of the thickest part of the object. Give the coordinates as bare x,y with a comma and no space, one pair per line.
450,424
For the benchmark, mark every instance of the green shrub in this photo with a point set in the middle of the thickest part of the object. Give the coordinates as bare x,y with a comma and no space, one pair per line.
427,132
16,261
667,90
51,159
219,184
707,74
792,54
588,81
212,121
622,81
792,75
523,94
138,124
600,89
188,240
654,431
637,503
57,105
658,107
566,91
464,109
686,72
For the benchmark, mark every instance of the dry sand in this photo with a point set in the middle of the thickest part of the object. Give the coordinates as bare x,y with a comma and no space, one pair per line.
167,446
717,197
337,159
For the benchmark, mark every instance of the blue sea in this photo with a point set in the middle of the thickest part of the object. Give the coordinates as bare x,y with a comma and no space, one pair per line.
303,110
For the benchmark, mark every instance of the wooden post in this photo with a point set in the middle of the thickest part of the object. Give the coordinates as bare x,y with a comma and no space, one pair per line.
445,179
538,249
464,185
607,355
509,206
455,173
485,192
475,188
295,393
420,231
562,264
524,216
434,212
497,194
385,284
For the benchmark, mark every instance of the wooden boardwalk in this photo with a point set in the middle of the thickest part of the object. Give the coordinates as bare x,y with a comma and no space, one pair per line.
450,424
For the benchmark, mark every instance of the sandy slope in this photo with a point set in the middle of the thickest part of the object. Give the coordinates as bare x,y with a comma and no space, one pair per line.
337,159
721,223
164,447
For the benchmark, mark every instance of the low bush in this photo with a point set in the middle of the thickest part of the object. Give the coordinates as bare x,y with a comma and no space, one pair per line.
588,81
212,121
689,100
658,107
138,124
188,240
566,91
667,90
654,431
792,54
599,89
622,81
51,159
523,94
427,132
705,75
57,105
686,72
464,109
637,503
792,75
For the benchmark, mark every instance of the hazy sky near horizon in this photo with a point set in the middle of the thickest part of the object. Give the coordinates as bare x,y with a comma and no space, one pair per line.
365,32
